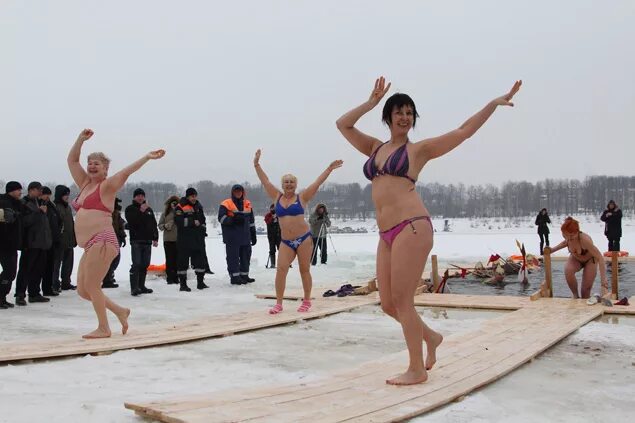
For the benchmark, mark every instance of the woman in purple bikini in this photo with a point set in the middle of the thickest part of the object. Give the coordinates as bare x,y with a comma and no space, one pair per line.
404,222
296,236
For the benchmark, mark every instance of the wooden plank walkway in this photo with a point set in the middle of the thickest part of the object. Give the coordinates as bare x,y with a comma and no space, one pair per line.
155,335
466,362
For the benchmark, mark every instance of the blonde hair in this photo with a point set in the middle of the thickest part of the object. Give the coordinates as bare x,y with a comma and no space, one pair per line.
100,157
288,176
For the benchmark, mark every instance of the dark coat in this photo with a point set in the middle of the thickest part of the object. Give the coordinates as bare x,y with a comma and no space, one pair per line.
613,223
37,230
119,226
188,234
67,239
11,233
541,222
142,226
55,222
238,226
273,227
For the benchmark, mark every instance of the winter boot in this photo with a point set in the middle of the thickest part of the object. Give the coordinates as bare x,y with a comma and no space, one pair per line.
142,283
134,284
4,304
183,281
272,261
200,284
237,280
247,279
20,300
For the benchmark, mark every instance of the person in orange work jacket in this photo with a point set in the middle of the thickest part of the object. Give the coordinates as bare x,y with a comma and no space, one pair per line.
239,234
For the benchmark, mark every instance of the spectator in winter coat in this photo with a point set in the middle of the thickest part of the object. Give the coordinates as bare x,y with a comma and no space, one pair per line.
119,226
273,234
143,236
168,226
543,230
612,217
319,221
56,225
11,212
37,240
239,234
63,256
190,239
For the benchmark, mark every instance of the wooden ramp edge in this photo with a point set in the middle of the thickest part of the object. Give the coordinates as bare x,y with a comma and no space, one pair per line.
155,335
466,362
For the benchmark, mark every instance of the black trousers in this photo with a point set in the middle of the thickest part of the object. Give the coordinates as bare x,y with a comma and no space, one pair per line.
274,243
171,260
141,255
63,259
193,255
47,274
32,263
110,275
321,243
544,239
614,244
238,258
9,263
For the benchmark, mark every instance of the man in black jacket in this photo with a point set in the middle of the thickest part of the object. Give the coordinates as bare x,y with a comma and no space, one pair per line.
143,236
55,223
612,217
11,210
190,239
37,240
63,252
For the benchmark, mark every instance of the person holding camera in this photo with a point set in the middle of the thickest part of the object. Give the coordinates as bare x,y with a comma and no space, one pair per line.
239,234
320,222
143,236
11,210
273,234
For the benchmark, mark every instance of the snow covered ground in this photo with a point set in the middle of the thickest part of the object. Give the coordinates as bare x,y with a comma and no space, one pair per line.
590,376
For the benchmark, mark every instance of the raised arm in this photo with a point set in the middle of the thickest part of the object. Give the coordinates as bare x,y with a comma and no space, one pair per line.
310,191
77,171
432,148
116,181
346,124
271,190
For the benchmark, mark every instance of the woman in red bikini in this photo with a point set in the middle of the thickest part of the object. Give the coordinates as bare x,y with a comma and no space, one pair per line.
93,228
404,222
583,255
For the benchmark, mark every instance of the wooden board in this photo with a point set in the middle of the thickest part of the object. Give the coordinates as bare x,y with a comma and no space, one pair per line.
489,302
466,362
154,335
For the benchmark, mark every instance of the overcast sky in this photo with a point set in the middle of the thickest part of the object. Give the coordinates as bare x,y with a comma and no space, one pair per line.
212,81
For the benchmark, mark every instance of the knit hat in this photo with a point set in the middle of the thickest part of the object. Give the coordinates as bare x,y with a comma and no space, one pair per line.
12,186
34,185
139,191
191,191
238,187
46,191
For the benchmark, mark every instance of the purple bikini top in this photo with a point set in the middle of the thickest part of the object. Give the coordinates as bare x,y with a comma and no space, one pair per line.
396,164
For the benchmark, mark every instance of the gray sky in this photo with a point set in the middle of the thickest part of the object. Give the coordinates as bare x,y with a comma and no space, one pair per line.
212,81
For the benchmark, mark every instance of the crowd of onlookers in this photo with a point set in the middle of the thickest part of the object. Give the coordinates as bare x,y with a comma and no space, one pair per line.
40,225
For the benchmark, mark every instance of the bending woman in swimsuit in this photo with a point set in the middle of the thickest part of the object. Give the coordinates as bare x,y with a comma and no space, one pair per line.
404,222
296,236
583,255
93,227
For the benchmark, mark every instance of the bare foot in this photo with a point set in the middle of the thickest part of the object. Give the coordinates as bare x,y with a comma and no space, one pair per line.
409,378
123,319
97,333
431,356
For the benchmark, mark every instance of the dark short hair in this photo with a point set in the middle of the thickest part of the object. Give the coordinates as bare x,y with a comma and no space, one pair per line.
397,101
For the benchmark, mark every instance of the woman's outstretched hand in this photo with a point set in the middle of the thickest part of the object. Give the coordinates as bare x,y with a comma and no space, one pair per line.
85,135
257,157
155,155
336,164
505,100
379,91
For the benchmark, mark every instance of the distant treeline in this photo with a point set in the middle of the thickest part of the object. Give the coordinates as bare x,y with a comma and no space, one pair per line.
353,201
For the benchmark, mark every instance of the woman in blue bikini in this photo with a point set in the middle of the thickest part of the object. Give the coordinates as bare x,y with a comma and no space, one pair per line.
296,236
404,222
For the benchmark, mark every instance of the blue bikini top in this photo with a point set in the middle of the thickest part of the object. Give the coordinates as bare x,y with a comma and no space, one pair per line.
294,209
